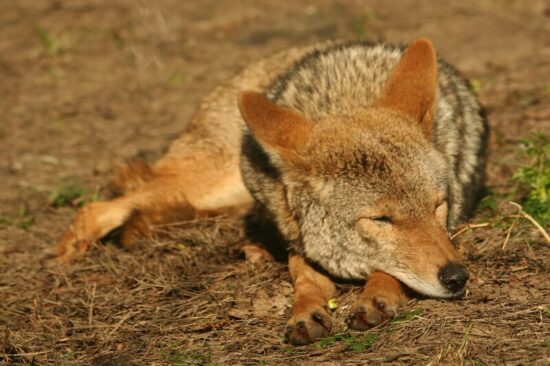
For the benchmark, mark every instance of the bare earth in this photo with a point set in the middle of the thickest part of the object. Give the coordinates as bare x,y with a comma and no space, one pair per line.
86,84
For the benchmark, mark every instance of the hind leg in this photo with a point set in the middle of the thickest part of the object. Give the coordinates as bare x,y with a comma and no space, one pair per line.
91,223
133,212
177,189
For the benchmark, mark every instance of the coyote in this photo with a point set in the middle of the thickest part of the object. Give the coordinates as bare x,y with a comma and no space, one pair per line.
362,156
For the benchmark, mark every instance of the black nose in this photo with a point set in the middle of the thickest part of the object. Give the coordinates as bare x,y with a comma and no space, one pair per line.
453,276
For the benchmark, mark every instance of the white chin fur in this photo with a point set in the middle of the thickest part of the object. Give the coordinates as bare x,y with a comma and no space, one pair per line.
424,287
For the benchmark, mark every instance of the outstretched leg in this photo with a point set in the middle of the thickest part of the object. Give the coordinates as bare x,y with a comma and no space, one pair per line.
176,189
310,319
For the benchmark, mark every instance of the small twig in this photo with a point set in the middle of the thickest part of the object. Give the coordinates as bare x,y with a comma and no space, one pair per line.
91,309
23,354
533,221
469,227
509,232
465,339
6,342
6,339
120,322
211,294
524,311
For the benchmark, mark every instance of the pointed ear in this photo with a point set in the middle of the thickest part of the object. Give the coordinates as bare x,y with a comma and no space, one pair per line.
412,84
277,128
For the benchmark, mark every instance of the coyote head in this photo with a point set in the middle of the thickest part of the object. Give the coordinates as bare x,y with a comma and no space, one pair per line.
369,191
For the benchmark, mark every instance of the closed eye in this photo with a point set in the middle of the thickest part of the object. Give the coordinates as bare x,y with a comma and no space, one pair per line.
383,218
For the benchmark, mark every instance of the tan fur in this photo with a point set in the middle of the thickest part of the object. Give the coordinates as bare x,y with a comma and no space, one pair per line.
200,171
174,190
379,301
411,87
310,315
362,180
281,128
131,176
256,254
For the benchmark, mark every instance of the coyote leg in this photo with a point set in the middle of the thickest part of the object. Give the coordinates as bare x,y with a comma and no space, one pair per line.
97,219
378,302
310,319
177,190
255,253
91,223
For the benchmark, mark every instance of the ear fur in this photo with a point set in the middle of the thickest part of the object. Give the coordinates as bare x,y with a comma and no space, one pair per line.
278,128
412,84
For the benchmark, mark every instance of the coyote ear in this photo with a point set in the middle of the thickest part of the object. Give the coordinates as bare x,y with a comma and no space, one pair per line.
279,128
412,84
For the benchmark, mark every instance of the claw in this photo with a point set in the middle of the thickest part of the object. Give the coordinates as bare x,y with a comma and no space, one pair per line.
317,317
306,327
363,319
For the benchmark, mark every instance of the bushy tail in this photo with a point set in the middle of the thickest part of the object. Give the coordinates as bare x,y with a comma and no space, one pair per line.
130,176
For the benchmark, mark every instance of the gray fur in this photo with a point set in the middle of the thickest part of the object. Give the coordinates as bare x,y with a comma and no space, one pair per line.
314,211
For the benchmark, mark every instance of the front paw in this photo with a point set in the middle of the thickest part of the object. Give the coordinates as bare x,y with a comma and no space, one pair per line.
370,311
308,326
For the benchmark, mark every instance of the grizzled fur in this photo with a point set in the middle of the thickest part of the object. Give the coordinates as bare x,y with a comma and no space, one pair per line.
317,206
360,157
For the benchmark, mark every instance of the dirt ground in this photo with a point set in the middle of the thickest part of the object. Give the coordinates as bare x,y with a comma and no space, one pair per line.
86,84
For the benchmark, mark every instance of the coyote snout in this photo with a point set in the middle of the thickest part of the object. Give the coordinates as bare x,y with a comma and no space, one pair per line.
423,258
428,262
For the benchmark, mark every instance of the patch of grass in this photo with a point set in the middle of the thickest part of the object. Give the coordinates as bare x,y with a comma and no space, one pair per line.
71,194
489,201
407,316
465,339
533,179
190,357
359,24
361,343
24,219
48,41
176,78
4,220
59,124
54,45
356,343
287,350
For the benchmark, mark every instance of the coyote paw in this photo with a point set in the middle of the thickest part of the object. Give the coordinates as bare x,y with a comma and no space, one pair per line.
308,326
382,297
370,312
64,251
91,223
256,254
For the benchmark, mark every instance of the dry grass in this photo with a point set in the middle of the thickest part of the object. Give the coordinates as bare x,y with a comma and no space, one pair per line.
191,299
88,83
